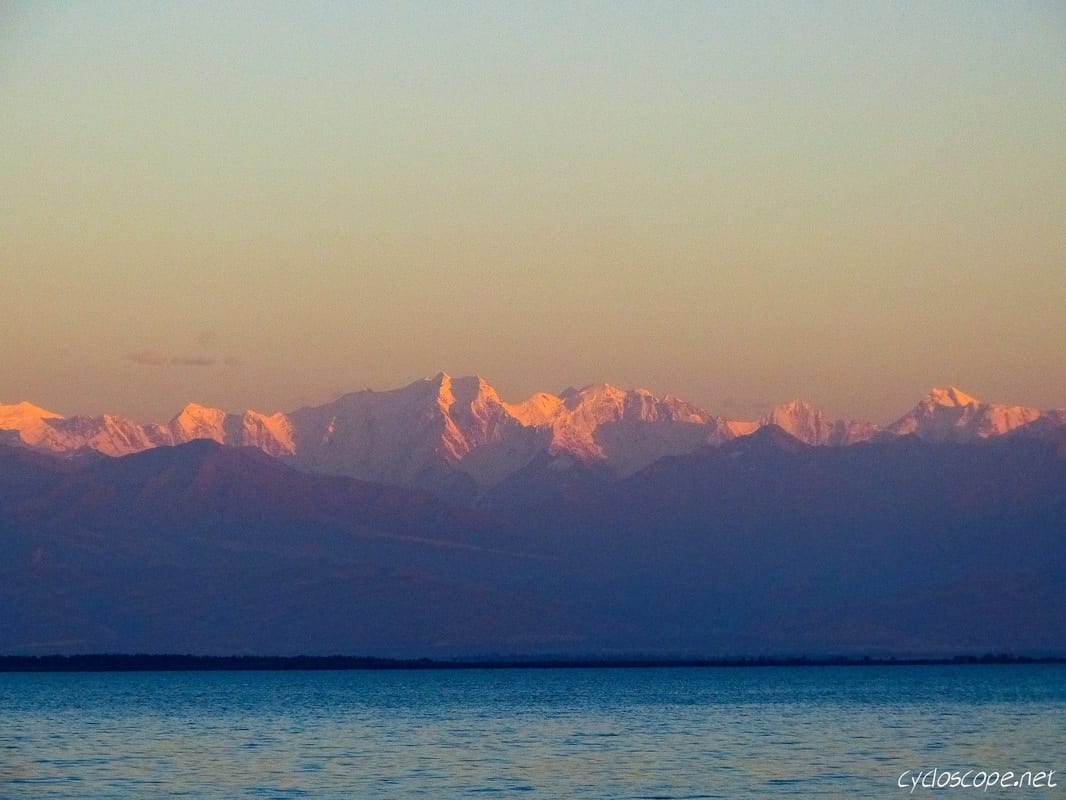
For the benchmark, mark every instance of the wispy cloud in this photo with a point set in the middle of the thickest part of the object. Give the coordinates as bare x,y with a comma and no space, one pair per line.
187,356
191,361
148,358
153,358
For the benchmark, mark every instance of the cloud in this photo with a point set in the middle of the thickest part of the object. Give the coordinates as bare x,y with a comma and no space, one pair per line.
191,361
153,358
149,358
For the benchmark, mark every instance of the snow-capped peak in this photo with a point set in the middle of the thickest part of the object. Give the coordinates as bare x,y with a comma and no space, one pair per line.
435,429
197,411
808,424
21,415
536,410
952,415
442,380
950,397
793,408
799,419
198,422
595,394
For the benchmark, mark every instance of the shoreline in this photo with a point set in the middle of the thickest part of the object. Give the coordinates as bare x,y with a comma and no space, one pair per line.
117,662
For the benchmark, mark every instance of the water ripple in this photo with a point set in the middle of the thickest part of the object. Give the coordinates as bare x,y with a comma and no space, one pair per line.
666,734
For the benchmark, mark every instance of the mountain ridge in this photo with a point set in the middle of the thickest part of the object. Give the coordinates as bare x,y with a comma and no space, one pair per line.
458,437
763,544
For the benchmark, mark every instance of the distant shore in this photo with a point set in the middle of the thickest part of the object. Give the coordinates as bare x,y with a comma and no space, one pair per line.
114,662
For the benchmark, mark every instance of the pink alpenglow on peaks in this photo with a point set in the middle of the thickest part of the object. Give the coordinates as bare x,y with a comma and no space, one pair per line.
810,425
23,415
27,421
199,422
952,415
458,436
950,397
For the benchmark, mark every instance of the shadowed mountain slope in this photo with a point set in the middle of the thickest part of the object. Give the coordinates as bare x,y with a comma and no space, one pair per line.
201,548
764,545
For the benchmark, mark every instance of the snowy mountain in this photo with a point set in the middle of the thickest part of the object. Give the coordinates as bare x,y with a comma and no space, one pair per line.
272,434
119,436
28,421
458,437
23,415
625,430
950,415
424,434
810,425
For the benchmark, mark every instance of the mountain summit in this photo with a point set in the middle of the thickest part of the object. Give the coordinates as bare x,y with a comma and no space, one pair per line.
457,437
951,415
810,425
949,397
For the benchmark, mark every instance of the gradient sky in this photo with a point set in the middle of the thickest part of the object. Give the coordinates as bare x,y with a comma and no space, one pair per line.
264,205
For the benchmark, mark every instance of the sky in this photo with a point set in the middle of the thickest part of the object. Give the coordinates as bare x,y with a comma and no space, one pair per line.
266,205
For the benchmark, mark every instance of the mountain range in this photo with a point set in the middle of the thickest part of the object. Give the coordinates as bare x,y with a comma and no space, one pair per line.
457,437
438,520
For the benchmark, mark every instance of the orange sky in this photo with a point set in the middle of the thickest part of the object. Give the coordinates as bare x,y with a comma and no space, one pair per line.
265,205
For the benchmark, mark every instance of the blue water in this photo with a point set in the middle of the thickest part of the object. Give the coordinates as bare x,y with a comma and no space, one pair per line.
589,733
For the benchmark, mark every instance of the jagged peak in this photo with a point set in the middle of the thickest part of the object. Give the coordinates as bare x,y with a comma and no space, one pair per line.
540,408
792,407
431,383
949,396
25,410
473,390
474,381
600,388
465,390
593,391
192,408
196,410
253,414
542,397
450,387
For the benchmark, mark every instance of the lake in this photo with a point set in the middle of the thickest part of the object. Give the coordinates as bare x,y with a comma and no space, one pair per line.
552,733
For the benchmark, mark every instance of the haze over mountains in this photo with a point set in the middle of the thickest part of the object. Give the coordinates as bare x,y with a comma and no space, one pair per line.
439,520
457,436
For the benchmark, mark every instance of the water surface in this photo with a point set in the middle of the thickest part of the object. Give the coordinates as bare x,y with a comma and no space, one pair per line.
553,733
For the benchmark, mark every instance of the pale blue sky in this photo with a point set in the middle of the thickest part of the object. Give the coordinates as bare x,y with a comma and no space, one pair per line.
737,203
